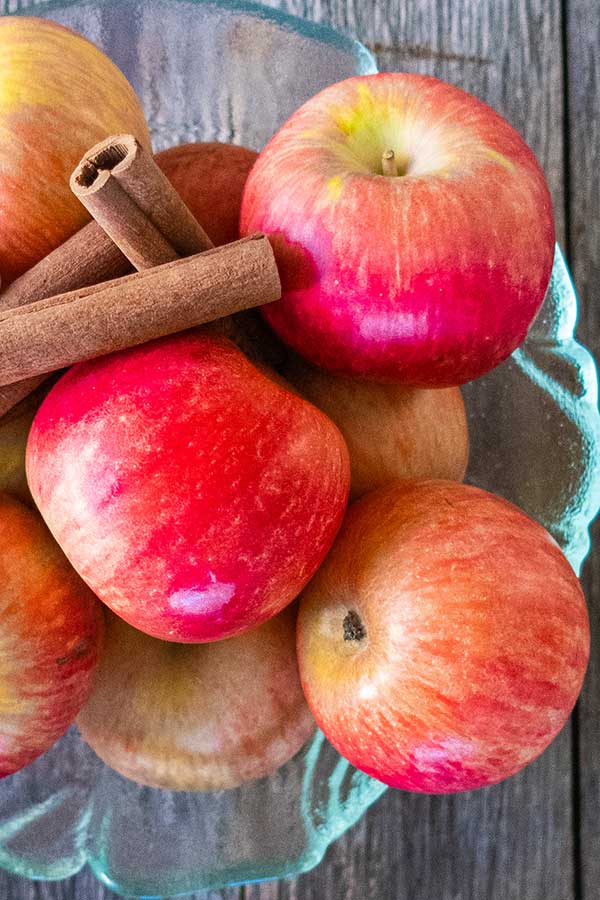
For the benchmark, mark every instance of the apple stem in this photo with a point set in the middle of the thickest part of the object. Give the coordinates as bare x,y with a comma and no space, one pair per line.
389,166
354,629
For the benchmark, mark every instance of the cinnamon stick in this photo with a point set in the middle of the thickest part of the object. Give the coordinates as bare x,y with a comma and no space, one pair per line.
121,185
136,195
84,259
62,330
91,256
11,394
88,257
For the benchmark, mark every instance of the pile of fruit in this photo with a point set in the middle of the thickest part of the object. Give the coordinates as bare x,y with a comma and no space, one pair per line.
180,572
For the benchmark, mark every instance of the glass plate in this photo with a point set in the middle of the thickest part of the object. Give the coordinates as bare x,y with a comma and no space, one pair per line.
234,71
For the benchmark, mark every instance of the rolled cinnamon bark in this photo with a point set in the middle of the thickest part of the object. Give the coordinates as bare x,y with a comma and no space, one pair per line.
60,331
121,185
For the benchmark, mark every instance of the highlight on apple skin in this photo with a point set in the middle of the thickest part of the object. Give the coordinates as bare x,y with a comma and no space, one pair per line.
392,431
198,717
59,95
430,277
51,629
443,643
193,493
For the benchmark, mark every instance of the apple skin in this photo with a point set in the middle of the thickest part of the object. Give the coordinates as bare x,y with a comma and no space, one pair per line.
392,431
210,178
475,638
428,279
59,95
197,717
51,628
194,494
14,430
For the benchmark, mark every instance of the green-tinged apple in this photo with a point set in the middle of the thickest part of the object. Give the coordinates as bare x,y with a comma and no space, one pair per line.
14,430
443,643
392,431
194,493
197,717
59,95
413,229
51,628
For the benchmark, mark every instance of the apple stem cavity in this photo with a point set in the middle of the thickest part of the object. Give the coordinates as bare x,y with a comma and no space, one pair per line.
354,629
389,164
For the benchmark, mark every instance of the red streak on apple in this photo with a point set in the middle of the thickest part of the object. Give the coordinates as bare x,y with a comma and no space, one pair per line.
194,494
429,278
51,630
444,642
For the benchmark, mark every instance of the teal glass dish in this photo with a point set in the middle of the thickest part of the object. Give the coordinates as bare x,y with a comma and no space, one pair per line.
232,70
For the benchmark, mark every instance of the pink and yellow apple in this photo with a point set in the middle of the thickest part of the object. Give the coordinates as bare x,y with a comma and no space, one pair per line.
59,95
200,717
192,492
51,629
444,642
428,277
392,431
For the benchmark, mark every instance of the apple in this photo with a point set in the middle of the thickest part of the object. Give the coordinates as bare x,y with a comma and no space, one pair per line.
193,493
444,642
14,430
428,277
59,95
210,179
51,630
392,431
197,717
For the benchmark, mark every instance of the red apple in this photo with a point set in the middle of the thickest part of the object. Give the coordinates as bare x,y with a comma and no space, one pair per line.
193,493
210,178
197,717
428,278
444,642
50,635
392,431
59,95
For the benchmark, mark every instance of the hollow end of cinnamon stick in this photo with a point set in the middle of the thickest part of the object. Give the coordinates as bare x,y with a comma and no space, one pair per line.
101,161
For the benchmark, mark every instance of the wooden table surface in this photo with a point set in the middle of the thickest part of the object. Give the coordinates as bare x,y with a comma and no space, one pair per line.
537,836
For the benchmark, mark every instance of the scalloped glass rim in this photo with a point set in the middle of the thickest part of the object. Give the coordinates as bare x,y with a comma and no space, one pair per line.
366,62
551,361
581,407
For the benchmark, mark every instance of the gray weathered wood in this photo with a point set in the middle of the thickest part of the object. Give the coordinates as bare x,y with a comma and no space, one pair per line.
583,128
515,841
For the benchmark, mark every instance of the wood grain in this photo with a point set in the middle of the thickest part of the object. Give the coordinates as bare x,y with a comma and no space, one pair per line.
514,841
582,27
